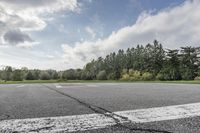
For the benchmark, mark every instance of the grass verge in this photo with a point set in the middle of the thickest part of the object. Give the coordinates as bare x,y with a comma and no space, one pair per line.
97,81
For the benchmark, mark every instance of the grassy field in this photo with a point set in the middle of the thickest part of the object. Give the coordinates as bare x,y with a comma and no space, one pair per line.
97,81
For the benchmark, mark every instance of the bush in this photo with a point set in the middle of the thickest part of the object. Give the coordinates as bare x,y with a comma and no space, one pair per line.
44,76
160,76
17,75
197,78
124,71
187,74
147,76
111,76
163,76
135,75
132,75
29,76
101,75
125,77
86,76
69,74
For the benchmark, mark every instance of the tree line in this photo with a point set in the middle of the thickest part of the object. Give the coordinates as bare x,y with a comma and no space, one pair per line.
149,62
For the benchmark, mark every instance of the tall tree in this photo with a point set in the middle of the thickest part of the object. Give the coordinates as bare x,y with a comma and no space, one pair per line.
157,57
189,62
173,64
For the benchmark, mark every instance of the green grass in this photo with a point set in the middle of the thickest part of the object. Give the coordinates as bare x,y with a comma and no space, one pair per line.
97,81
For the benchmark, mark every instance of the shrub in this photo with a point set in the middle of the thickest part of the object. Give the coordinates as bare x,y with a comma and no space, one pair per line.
187,74
101,75
86,75
135,75
17,75
69,74
197,78
125,77
124,71
29,76
160,76
147,76
44,76
111,76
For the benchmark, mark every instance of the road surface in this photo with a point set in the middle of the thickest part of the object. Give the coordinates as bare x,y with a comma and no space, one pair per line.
100,107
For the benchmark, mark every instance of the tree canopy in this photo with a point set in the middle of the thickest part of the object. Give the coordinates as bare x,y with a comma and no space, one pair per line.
149,62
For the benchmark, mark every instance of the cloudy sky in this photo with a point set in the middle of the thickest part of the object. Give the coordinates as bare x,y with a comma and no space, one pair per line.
62,34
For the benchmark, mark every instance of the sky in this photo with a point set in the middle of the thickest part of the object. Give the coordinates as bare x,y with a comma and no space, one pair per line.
64,34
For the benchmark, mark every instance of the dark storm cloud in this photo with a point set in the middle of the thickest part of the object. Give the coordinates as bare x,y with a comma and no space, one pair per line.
16,36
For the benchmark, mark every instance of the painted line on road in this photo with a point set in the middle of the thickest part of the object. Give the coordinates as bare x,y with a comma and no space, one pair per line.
96,121
20,86
69,86
92,85
58,86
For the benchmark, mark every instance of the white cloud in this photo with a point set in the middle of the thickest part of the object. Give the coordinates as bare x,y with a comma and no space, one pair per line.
90,31
50,56
19,17
27,44
174,27
39,6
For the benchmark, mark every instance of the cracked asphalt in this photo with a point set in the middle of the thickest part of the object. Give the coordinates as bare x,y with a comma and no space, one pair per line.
49,100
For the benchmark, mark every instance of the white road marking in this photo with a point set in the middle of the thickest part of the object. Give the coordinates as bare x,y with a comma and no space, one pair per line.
20,86
92,85
96,121
58,86
69,85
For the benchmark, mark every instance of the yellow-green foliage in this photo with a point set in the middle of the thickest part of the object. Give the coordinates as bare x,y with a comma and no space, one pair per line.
125,77
124,71
197,78
135,75
147,76
131,75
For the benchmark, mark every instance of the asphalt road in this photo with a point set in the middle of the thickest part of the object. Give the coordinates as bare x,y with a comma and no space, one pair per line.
48,100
